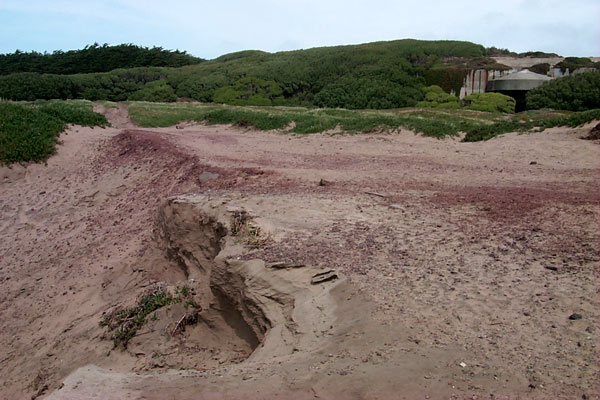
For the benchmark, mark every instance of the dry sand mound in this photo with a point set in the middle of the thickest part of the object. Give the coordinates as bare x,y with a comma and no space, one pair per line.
374,266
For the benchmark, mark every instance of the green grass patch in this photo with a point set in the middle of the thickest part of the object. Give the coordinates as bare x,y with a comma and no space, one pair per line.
29,131
27,134
77,112
537,123
304,120
434,122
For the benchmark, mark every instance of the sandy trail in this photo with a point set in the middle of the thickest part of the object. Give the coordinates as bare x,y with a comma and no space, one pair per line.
456,278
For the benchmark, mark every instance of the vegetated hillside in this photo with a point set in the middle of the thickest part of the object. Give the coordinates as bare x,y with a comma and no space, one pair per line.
374,75
94,58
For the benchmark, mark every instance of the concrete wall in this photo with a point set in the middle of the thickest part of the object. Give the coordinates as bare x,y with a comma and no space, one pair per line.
476,81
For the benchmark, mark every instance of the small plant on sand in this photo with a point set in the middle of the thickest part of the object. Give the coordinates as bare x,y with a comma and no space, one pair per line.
248,232
184,291
125,322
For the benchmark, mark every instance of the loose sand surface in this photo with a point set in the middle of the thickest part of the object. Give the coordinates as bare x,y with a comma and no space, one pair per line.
378,266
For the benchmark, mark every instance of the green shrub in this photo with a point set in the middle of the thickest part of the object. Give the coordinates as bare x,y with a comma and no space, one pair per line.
540,68
116,85
156,91
490,102
201,87
577,92
574,63
29,86
368,93
250,91
435,97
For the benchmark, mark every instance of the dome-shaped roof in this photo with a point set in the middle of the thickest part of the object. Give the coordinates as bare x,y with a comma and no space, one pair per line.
524,75
522,80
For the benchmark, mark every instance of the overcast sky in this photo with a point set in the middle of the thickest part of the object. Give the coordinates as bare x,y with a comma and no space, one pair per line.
208,29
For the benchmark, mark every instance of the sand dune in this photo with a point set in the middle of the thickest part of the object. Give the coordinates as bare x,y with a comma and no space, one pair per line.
452,268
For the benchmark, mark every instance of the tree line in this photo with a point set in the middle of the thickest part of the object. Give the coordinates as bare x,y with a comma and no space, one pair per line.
93,58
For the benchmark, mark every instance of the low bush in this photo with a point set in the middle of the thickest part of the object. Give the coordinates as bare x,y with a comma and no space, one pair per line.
540,68
156,91
490,102
29,86
435,97
250,91
577,92
574,63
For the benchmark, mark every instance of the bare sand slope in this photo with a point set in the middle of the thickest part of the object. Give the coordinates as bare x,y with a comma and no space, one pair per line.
455,267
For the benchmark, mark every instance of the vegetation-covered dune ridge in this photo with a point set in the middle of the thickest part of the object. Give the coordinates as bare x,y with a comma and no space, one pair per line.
375,75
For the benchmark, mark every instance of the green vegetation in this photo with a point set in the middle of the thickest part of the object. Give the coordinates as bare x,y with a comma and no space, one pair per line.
116,85
297,119
250,92
540,68
26,134
94,58
72,112
29,132
373,75
490,102
573,63
523,124
156,91
435,97
537,54
433,122
450,79
124,323
381,75
495,52
577,92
